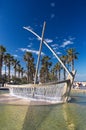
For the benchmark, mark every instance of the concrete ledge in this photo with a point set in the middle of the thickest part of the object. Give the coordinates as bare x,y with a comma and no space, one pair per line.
78,90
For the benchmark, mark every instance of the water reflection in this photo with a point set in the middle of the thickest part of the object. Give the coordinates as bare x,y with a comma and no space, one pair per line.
69,116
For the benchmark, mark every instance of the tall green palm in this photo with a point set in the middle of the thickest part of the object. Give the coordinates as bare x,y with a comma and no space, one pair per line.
64,60
2,51
15,63
44,71
28,57
22,72
72,55
9,63
18,68
57,69
5,63
53,76
32,69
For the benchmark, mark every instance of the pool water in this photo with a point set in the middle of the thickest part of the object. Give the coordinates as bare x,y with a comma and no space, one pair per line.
69,116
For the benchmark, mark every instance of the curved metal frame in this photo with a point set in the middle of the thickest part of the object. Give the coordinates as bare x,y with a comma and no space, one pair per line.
40,38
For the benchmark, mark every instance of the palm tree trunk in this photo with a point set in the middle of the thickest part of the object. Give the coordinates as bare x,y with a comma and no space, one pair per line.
5,70
64,74
0,67
64,71
9,73
0,70
21,74
72,65
15,73
28,76
59,75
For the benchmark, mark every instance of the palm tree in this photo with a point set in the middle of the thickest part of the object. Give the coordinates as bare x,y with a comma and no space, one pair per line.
32,69
18,69
57,69
9,63
30,66
52,75
15,63
72,55
64,60
5,63
44,72
2,51
22,72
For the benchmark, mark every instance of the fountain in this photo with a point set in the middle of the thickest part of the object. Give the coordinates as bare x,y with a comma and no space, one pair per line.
53,92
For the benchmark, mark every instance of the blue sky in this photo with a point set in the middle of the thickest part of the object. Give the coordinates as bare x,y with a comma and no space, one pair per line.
65,28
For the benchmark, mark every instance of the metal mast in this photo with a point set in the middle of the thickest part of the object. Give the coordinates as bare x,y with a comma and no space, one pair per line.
38,61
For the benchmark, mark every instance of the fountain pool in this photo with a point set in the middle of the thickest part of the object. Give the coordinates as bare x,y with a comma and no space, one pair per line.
69,116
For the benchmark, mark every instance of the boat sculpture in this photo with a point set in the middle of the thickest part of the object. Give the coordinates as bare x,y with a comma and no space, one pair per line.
58,92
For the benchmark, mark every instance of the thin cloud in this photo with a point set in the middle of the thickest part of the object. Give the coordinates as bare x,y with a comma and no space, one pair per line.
15,55
66,43
59,53
32,51
49,40
56,37
36,25
54,45
55,48
52,16
72,38
31,38
52,4
30,45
